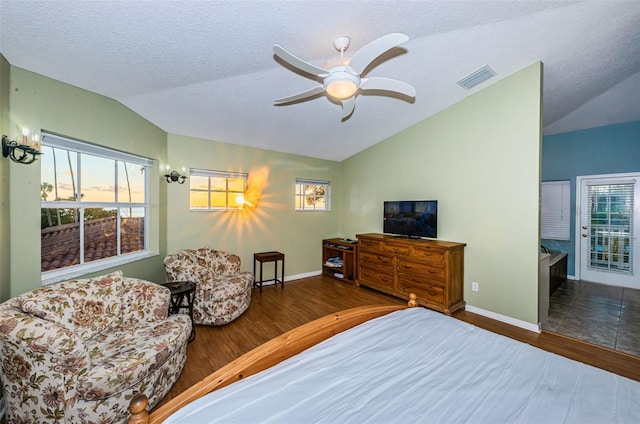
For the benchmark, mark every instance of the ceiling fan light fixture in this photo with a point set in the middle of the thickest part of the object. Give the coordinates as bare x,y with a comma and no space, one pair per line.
342,89
341,84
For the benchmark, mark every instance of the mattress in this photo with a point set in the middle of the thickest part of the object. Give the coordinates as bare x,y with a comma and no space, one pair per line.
418,365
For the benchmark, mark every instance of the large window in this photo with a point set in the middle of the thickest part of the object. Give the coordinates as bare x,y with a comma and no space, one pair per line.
312,195
94,205
216,190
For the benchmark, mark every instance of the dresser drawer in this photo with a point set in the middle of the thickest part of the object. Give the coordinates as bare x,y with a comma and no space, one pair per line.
432,256
427,292
370,245
376,260
396,249
421,279
376,277
418,269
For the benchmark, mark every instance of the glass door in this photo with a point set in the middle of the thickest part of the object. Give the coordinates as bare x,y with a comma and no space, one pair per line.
609,228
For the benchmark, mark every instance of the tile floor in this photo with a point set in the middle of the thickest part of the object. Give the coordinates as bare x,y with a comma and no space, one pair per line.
604,315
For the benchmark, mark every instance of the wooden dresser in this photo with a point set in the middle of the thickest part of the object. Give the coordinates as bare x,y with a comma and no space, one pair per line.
432,269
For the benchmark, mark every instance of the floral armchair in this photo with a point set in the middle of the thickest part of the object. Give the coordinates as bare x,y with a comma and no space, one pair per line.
223,292
78,351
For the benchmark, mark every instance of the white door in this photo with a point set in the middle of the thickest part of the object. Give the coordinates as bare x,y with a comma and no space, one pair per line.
608,221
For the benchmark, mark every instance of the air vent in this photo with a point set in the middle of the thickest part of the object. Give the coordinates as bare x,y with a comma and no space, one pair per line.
476,77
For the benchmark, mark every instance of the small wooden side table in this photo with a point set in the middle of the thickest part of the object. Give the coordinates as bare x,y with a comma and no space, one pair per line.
182,294
269,257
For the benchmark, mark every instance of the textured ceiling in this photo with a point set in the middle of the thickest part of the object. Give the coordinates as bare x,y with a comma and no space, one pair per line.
206,68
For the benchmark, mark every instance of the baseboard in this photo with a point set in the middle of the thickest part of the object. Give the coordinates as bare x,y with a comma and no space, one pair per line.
304,275
291,278
503,318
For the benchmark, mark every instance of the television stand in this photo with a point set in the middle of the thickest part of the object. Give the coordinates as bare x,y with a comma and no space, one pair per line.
339,259
432,269
404,236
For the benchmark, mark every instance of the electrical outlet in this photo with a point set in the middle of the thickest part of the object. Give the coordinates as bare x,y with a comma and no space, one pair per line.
474,286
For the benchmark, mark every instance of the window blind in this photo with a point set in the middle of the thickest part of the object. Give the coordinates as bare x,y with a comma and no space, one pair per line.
66,143
312,182
216,174
555,210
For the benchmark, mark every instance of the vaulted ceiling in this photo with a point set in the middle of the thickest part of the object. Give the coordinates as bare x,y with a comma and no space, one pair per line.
206,68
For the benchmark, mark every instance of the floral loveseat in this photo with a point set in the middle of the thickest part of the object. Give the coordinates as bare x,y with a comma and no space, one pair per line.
78,351
223,292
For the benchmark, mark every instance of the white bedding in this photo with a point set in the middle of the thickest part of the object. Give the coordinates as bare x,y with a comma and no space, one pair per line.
417,365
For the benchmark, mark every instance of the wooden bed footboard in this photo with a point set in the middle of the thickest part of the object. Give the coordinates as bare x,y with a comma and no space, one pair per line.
264,356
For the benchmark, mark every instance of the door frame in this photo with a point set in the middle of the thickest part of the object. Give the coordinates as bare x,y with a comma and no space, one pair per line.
578,217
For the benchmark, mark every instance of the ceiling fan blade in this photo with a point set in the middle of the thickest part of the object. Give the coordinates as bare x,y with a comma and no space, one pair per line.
368,53
348,105
300,96
387,84
298,63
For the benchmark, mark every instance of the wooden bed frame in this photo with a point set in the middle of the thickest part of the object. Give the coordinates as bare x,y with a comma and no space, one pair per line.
264,356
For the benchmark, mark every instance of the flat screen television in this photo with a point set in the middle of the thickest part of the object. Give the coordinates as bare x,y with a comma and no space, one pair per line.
411,218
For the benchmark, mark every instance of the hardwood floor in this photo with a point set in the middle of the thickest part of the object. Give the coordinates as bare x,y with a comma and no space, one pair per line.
277,310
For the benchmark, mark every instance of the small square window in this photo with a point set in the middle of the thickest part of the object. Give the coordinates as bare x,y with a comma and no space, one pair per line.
311,195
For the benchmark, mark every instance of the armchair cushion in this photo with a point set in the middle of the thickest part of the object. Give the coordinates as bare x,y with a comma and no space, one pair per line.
123,356
224,263
85,307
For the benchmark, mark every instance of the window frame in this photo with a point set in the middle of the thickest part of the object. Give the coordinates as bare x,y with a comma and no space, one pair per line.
227,175
55,141
326,196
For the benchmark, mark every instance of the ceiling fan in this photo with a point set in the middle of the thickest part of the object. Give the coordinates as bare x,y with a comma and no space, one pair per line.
342,80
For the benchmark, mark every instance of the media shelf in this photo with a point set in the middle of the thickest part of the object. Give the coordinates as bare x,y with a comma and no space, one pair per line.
339,259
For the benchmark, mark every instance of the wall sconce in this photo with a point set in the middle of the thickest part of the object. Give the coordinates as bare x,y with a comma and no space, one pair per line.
175,176
242,201
22,153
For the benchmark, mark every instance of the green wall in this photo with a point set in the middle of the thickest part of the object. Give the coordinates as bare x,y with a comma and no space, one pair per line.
4,187
480,159
272,225
39,102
